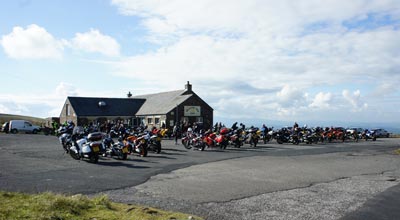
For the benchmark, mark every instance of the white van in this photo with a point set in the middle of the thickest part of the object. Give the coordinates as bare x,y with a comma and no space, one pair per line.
23,126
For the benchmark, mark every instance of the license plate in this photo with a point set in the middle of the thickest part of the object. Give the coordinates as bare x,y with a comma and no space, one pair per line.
158,139
124,150
95,149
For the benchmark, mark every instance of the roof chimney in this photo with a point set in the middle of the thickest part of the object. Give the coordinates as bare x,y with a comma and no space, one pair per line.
188,87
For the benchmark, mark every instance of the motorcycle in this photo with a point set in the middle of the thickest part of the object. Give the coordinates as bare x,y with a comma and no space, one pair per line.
137,145
209,139
236,138
89,147
352,134
334,134
195,141
253,135
266,134
222,139
154,142
367,135
285,136
65,137
119,149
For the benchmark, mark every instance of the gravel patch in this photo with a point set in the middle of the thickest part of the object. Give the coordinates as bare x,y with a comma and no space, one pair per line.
304,187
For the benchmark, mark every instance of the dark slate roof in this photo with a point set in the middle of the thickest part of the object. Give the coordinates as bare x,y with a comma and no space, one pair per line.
162,103
84,106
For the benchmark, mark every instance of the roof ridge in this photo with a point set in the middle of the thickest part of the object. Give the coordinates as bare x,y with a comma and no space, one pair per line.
81,97
173,91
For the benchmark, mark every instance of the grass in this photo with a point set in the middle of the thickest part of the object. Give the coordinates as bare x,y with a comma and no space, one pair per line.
7,117
49,206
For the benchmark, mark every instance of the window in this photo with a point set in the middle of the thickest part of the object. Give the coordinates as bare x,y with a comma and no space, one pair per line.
199,119
149,120
68,113
157,121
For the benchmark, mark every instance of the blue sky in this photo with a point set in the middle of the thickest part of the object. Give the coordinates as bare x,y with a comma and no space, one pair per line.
251,60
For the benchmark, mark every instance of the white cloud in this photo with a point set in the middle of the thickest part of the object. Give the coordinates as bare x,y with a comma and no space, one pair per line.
34,42
355,100
321,101
95,41
4,108
38,105
290,96
65,89
280,49
246,16
287,46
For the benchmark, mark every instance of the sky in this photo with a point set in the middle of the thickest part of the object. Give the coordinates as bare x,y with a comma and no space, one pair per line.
250,60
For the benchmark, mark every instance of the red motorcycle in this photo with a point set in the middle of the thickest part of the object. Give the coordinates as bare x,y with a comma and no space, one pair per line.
192,140
222,139
209,139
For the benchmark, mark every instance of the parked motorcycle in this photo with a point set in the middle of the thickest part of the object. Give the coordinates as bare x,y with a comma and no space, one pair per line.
154,142
89,147
119,149
284,135
222,139
252,136
137,145
65,137
192,140
352,134
236,138
209,139
368,135
266,134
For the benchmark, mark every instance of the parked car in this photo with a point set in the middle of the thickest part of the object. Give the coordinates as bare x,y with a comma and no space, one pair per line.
352,130
380,132
23,126
5,127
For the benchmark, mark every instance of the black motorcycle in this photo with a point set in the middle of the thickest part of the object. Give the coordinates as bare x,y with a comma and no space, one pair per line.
286,136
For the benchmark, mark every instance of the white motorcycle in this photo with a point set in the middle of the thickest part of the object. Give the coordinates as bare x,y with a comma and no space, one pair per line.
89,147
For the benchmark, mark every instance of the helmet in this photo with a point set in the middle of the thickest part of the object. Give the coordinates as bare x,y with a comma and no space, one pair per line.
189,129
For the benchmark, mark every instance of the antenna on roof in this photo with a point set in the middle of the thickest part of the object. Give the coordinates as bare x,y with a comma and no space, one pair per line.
129,94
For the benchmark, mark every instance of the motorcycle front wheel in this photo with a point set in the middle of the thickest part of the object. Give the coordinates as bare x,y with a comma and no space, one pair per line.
142,151
122,156
186,144
74,155
156,148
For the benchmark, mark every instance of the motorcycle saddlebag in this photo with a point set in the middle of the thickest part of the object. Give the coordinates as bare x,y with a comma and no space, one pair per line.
95,136
224,131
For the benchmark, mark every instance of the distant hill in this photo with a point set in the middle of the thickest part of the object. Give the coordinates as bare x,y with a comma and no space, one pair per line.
34,120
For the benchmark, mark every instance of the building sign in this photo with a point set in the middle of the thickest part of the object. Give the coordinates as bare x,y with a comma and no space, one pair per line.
191,110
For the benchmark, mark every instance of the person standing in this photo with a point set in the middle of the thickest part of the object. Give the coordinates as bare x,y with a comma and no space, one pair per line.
175,132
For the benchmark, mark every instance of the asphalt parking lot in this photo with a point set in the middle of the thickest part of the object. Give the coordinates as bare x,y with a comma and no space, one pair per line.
324,181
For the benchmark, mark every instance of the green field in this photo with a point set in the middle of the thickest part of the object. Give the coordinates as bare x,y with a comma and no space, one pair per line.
34,120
